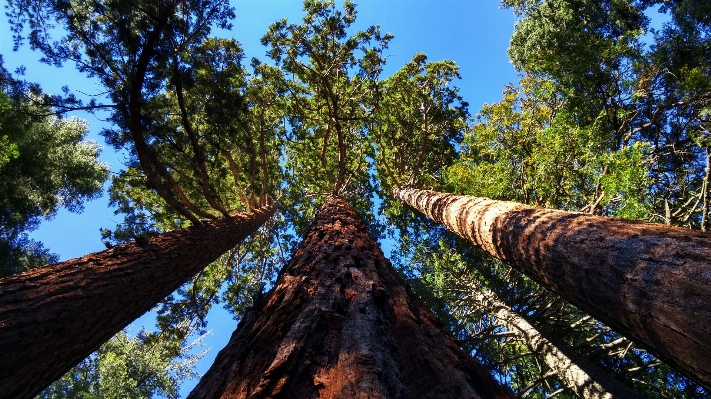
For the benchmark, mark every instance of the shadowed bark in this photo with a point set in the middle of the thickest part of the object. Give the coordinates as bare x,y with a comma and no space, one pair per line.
576,372
341,323
650,282
53,317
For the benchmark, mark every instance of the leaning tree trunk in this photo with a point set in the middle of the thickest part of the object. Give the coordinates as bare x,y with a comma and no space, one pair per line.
580,375
53,317
340,323
650,282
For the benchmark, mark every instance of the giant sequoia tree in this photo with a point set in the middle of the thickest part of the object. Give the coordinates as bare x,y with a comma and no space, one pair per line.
56,315
209,138
598,126
340,322
176,149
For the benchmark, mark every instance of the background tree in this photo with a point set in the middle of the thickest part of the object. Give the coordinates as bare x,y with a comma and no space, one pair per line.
528,148
420,114
415,134
45,164
146,365
636,92
332,94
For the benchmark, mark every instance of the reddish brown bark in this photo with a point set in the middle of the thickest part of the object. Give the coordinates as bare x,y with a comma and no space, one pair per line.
650,282
340,323
53,317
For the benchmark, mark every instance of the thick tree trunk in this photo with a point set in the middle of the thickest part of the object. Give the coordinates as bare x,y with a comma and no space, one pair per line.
53,317
576,372
340,323
650,282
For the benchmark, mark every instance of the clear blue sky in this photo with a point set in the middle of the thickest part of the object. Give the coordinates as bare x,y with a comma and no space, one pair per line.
473,33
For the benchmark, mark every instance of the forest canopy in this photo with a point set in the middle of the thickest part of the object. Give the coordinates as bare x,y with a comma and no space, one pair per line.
610,117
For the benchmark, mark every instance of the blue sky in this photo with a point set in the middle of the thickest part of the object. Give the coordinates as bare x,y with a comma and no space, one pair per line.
473,33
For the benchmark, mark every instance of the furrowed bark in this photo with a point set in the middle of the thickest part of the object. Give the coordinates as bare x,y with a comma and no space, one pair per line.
650,282
341,323
584,378
53,317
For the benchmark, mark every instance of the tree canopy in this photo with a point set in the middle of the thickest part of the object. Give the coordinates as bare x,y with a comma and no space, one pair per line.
610,117
45,164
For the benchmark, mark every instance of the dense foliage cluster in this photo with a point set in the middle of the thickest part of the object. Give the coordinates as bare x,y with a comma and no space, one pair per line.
45,164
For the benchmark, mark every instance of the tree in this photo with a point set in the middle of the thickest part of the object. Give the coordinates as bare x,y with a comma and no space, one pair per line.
550,142
448,272
177,96
445,271
212,121
55,316
632,89
45,164
148,364
341,322
581,376
597,124
420,115
604,266
181,146
331,80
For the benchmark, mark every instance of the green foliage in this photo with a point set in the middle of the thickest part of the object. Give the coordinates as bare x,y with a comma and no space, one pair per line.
332,93
131,367
527,148
19,253
652,94
415,134
418,124
53,167
45,164
8,149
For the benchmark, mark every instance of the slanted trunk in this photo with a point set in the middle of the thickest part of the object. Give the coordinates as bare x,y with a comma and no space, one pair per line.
576,372
650,282
340,323
53,317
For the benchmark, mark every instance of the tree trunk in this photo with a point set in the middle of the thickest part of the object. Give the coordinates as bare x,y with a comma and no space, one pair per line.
53,317
650,282
576,372
341,323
